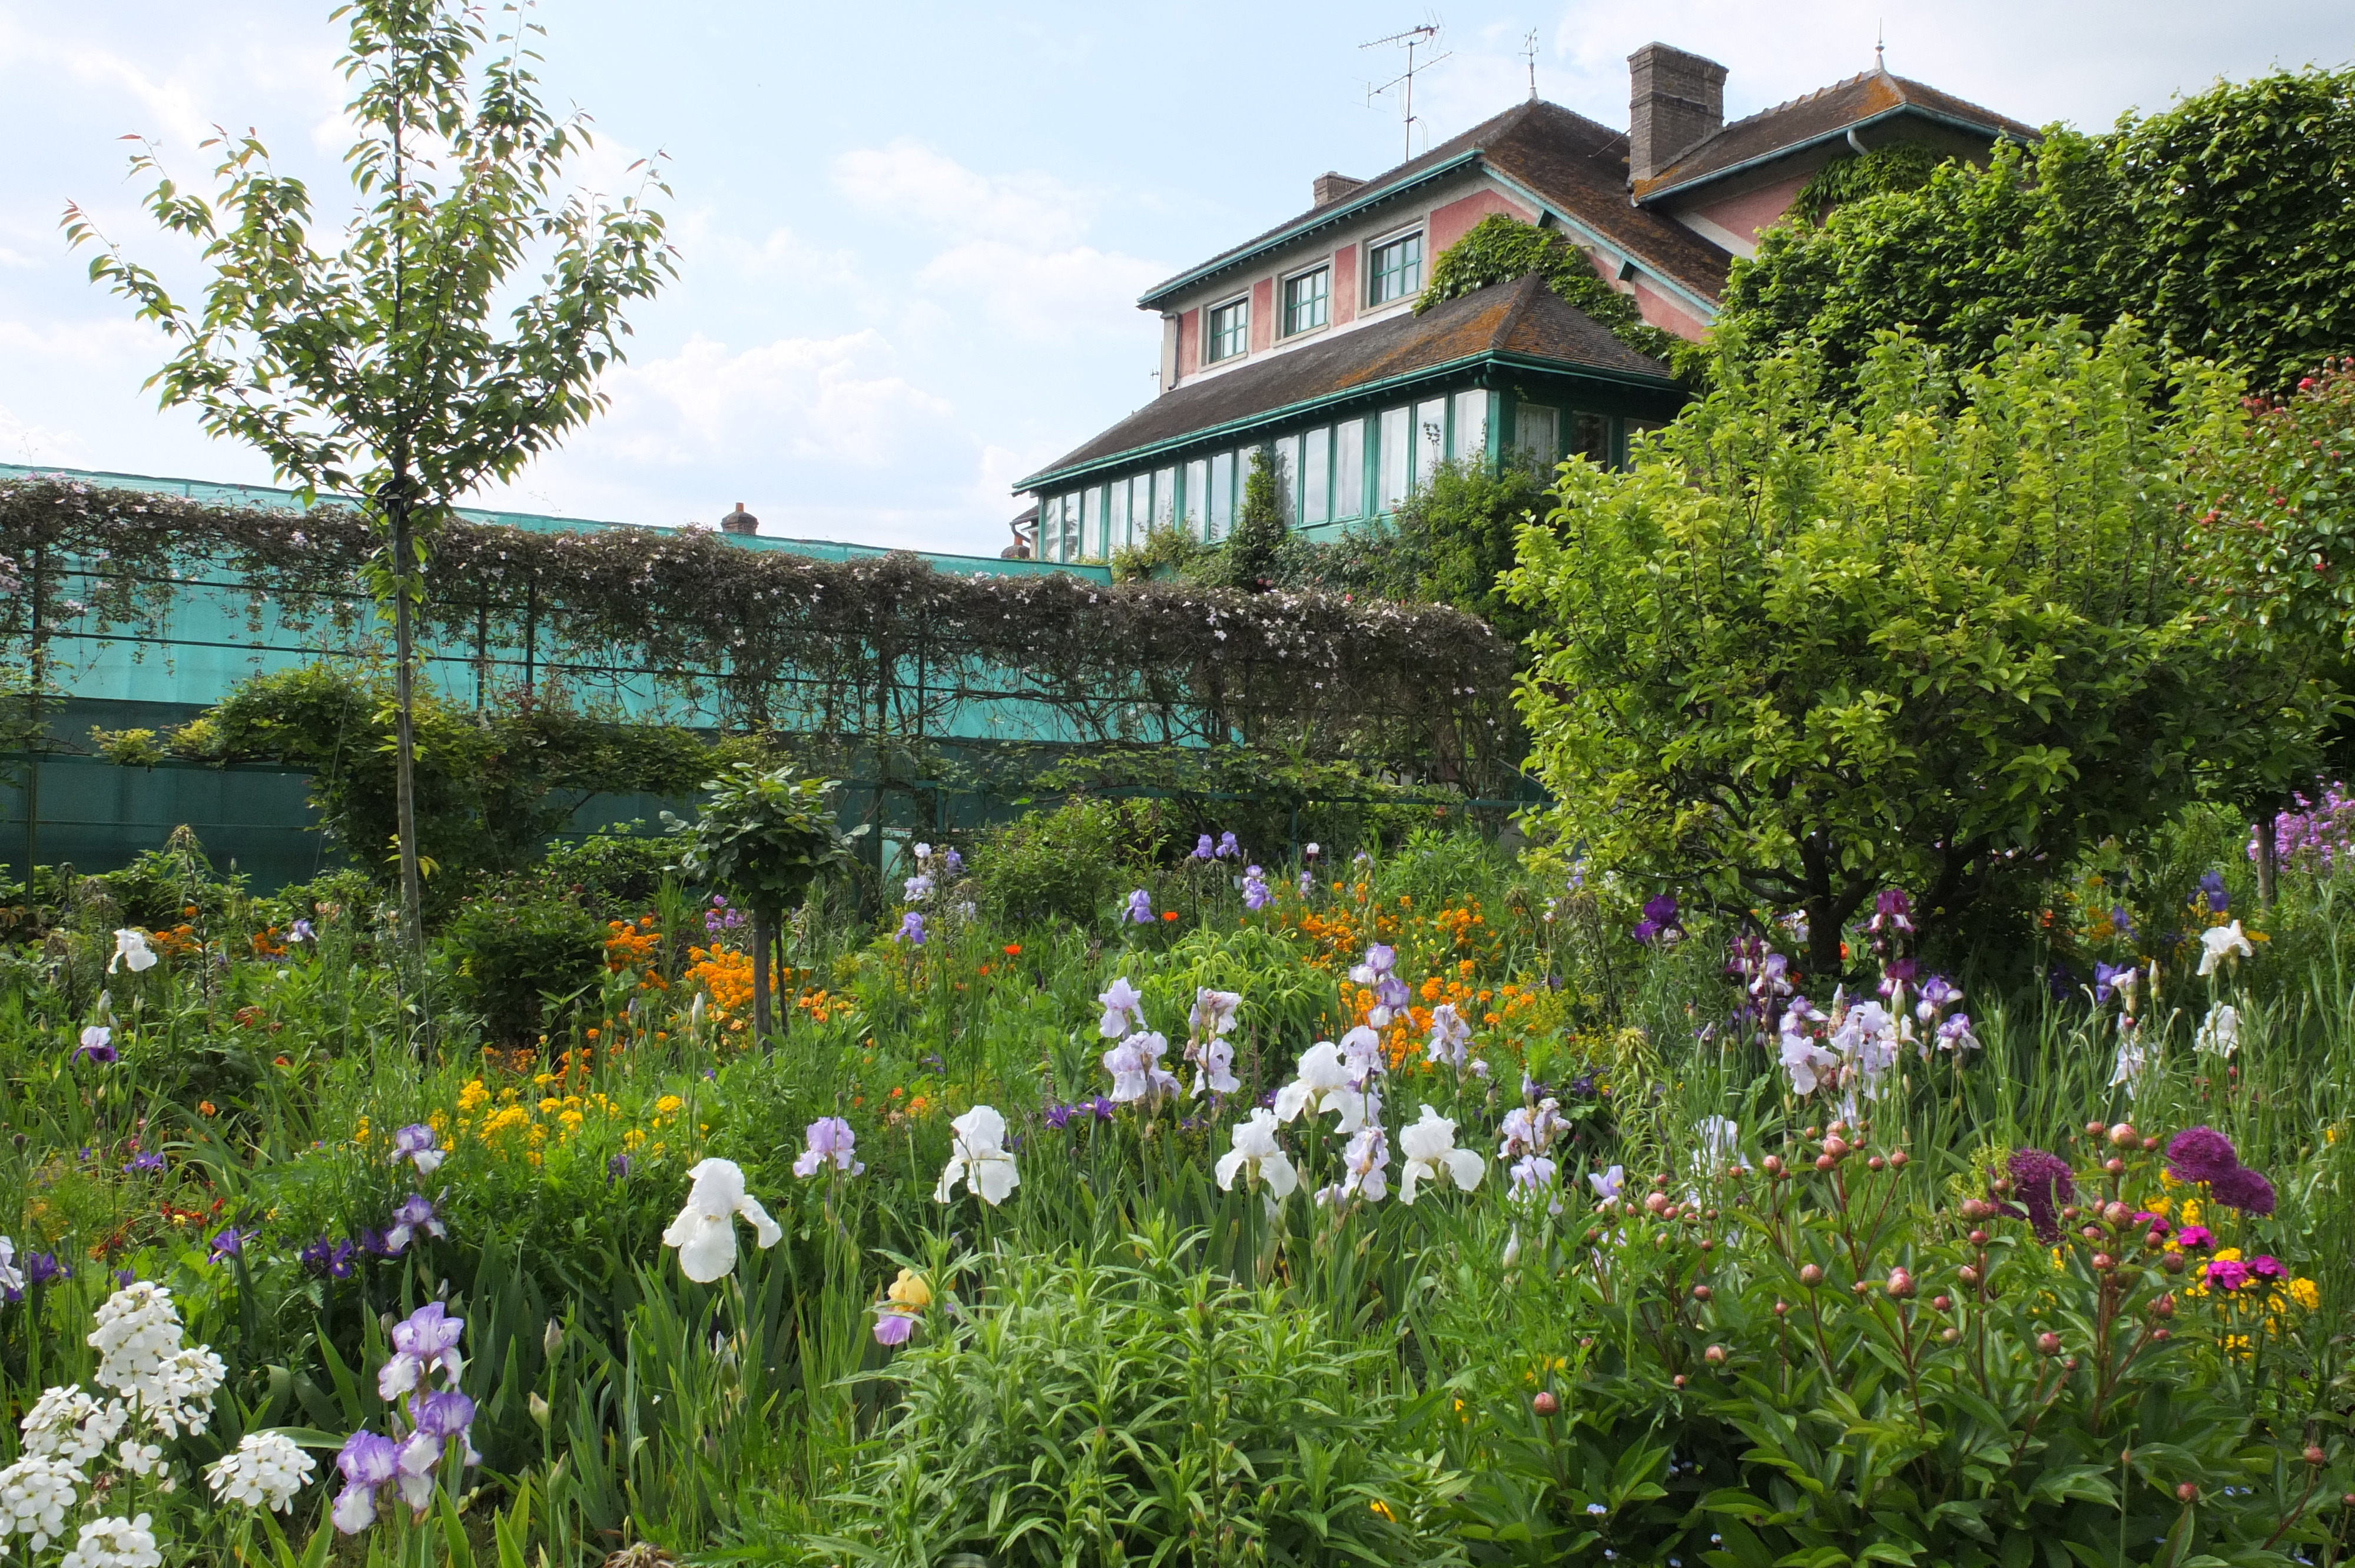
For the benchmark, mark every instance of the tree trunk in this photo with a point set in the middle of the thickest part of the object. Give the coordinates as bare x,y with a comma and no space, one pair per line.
404,689
1824,961
763,937
2268,860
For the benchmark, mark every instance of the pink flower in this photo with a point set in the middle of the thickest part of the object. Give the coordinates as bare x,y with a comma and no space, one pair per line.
2227,1272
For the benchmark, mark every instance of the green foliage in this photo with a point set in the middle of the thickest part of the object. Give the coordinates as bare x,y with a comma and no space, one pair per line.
1501,249
764,836
1071,863
1791,660
1462,525
1166,552
491,787
1098,1412
1246,559
521,949
616,870
2218,223
1901,166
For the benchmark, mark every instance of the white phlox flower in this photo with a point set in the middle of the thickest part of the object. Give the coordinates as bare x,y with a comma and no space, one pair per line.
35,1494
1136,1067
2220,1031
1430,1153
704,1230
132,952
2219,945
1123,1010
137,1458
1451,1037
115,1543
70,1425
978,1157
1322,1084
1257,1155
266,1471
140,1357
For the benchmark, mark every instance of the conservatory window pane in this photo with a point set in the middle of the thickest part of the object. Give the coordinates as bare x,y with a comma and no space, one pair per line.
1396,449
1349,469
1221,508
1431,439
1287,480
1197,496
1165,497
1140,508
1471,426
1590,438
1316,476
1116,520
1092,522
1533,436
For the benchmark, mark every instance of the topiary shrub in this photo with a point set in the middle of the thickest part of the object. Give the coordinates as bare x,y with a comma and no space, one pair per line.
1071,863
520,951
616,871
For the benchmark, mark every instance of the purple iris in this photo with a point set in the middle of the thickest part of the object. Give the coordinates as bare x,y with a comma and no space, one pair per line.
1140,907
40,1267
1228,849
98,1046
1102,1106
1255,893
230,1243
1659,919
894,1328
300,932
419,1144
2123,919
149,1160
328,1260
378,1244
2106,977
912,929
1938,993
416,1217
1060,1116
953,863
1892,910
2045,1182
2213,884
1203,849
445,1415
367,1459
617,1168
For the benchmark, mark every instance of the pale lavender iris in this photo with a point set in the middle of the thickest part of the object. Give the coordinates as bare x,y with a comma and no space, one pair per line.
831,1143
1140,907
893,1327
1228,849
1203,848
367,1462
425,1342
912,929
416,1217
1255,893
300,931
421,1146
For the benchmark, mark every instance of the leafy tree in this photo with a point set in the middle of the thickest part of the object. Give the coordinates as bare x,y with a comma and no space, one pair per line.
764,837
2220,224
378,370
1793,656
1246,559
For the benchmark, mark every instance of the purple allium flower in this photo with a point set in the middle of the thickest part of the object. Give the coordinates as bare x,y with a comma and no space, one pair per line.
230,1243
2227,1272
419,1144
98,1046
1203,848
40,1267
2045,1182
1140,907
2213,884
2242,1189
894,1328
912,929
2199,1154
148,1160
2195,1237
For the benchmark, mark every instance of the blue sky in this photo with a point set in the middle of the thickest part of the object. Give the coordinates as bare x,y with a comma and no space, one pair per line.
911,236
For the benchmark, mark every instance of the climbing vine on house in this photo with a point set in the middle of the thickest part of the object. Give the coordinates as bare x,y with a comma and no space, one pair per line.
1501,249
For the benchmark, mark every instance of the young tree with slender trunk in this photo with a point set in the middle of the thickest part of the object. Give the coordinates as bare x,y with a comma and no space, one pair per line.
413,362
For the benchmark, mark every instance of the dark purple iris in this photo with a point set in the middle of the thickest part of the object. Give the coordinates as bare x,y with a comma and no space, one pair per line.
1659,919
2213,884
2044,1183
618,1168
1060,1116
328,1260
378,1244
40,1267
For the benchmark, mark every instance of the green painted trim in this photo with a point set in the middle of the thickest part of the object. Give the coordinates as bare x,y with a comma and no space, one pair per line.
1210,435
1935,117
1356,205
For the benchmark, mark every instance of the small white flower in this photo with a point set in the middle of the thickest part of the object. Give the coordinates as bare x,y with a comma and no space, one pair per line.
115,1543
67,1424
2223,944
34,1493
10,1278
266,1471
2220,1031
131,949
704,1230
1430,1148
978,1157
1256,1151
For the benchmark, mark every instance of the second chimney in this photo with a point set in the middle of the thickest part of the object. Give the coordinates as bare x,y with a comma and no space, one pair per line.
740,522
1332,187
1675,100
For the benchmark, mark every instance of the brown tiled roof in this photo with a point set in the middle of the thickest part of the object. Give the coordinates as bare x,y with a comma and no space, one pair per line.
1564,158
1525,319
1822,113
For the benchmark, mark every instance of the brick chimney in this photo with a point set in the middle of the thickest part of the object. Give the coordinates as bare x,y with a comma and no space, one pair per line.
1674,100
1331,187
740,522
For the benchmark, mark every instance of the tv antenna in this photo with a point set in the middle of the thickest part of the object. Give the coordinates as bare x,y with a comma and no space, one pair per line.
1413,38
1530,51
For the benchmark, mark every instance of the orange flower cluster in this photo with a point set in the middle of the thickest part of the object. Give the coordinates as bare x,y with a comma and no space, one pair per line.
727,974
633,947
822,1006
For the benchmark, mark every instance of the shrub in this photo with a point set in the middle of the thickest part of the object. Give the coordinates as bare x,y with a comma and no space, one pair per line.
1071,863
1087,1412
518,948
616,871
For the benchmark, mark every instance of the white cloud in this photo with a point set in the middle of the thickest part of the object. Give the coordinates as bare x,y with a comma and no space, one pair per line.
825,401
916,185
24,442
1053,293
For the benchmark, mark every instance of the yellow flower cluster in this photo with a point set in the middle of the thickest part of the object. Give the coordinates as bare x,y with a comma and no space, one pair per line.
507,1124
